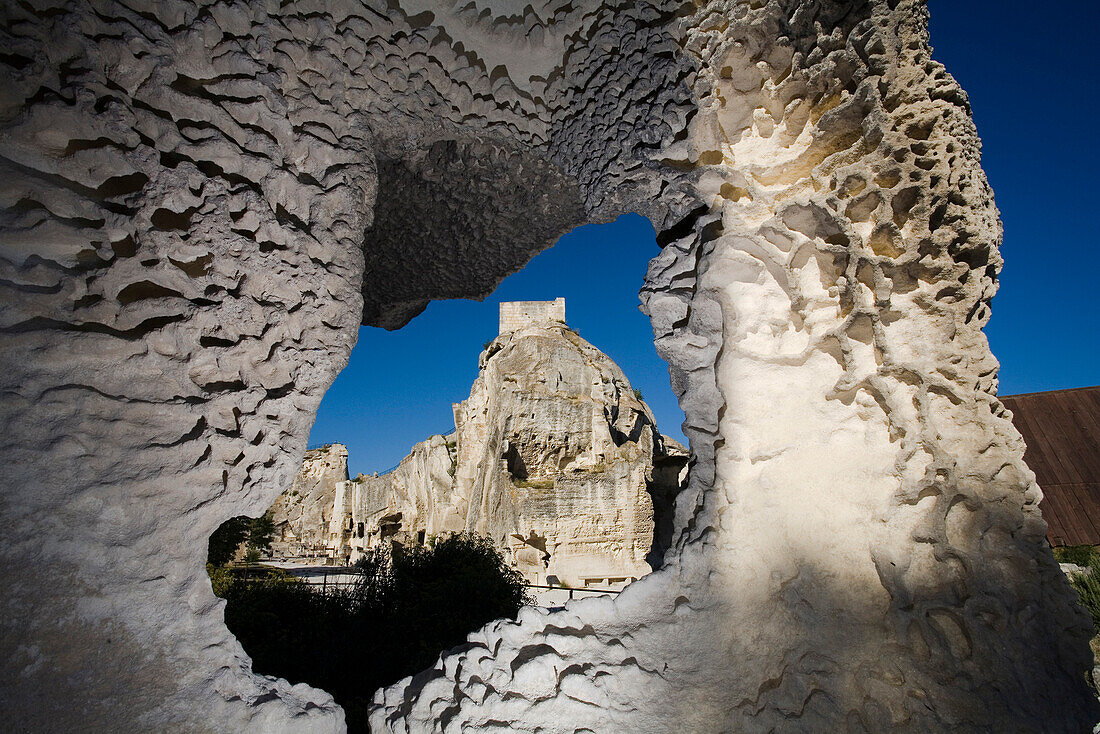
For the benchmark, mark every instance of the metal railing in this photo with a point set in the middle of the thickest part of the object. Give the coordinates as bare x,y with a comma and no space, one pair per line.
253,574
571,589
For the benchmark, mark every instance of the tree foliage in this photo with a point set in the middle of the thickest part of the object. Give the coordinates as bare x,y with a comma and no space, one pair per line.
440,593
1087,584
226,539
261,531
407,607
257,532
1080,555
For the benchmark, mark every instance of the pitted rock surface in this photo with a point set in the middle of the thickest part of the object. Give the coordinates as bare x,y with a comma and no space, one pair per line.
203,200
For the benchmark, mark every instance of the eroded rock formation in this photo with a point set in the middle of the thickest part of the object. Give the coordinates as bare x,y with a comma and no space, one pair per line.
185,191
553,456
302,514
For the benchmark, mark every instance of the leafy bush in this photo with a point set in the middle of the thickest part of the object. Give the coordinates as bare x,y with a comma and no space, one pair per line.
1087,585
1078,554
261,532
638,395
437,595
534,483
226,539
1088,588
407,607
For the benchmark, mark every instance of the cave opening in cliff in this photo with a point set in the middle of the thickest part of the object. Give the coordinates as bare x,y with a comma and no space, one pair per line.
541,420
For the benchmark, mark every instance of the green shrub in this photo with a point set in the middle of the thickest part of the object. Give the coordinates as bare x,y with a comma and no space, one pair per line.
437,595
534,483
1088,589
226,539
638,395
407,608
261,531
1078,554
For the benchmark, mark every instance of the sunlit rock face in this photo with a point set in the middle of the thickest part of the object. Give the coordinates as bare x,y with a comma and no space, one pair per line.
302,514
553,456
556,453
202,202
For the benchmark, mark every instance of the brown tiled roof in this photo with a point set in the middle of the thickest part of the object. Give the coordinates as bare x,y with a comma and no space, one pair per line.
1062,432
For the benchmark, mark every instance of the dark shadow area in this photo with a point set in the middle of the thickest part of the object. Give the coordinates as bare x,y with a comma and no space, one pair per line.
399,608
462,197
663,488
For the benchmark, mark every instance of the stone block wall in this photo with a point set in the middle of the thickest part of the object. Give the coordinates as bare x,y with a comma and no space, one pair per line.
514,315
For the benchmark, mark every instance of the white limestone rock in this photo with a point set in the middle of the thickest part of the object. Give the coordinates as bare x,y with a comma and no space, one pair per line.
553,457
301,514
202,201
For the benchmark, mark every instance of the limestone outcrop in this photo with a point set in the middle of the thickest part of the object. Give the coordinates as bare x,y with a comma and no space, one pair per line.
200,202
553,456
302,514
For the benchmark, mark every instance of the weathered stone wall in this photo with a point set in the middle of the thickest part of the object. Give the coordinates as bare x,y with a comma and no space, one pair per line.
185,192
515,315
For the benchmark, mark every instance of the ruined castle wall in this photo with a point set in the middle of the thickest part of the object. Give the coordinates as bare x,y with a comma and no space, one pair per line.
532,464
302,513
514,315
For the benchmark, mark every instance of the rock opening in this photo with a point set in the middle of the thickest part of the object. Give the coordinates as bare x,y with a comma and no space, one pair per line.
858,497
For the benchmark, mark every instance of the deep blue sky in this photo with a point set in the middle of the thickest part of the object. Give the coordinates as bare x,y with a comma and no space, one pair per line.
1029,71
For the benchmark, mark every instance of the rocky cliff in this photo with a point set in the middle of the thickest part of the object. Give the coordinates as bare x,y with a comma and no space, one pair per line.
302,513
553,455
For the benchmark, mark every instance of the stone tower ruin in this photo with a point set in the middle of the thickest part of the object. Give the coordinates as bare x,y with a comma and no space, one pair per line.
514,315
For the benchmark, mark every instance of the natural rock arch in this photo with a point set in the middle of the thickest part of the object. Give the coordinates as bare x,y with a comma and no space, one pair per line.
186,193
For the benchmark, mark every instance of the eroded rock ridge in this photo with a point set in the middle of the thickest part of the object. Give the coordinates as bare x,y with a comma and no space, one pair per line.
553,456
302,515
